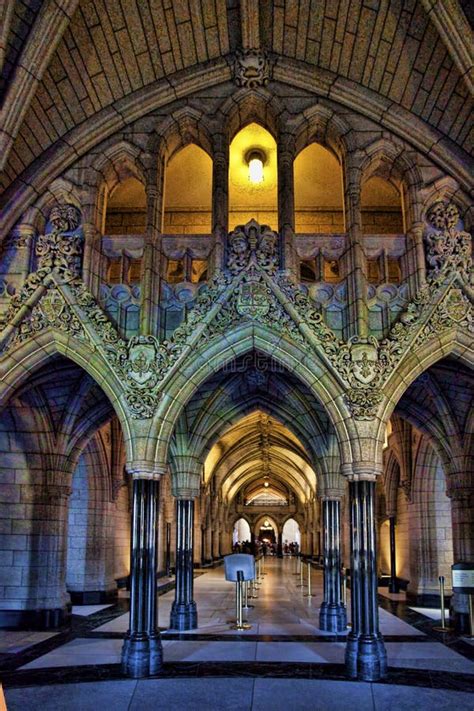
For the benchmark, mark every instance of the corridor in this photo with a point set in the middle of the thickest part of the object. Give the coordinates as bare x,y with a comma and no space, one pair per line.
249,670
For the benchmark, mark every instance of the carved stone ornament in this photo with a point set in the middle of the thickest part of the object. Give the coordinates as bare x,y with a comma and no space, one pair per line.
252,244
251,68
56,250
448,250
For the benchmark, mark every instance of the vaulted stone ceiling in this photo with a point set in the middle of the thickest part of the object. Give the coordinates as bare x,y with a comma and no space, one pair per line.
65,61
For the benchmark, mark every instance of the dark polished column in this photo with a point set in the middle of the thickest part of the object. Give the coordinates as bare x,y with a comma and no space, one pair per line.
142,651
184,612
393,584
332,614
366,657
280,545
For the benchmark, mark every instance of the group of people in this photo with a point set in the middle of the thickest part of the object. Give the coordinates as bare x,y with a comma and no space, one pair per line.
265,547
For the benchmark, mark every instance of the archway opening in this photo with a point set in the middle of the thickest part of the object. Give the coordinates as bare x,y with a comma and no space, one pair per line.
319,203
253,194
76,528
188,192
241,532
291,535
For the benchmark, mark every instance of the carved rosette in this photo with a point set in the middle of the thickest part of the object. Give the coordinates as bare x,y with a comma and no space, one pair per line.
251,68
448,249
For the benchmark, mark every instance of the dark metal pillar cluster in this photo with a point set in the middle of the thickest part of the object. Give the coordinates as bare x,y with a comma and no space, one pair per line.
332,614
366,657
142,653
184,612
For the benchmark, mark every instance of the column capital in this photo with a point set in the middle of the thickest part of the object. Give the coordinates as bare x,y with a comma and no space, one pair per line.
146,470
362,471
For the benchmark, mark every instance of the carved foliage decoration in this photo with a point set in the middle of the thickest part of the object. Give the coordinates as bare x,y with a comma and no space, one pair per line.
251,68
57,250
448,250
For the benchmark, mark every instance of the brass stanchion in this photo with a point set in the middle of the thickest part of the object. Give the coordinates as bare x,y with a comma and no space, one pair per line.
344,587
443,627
301,585
309,593
246,596
297,565
239,623
253,595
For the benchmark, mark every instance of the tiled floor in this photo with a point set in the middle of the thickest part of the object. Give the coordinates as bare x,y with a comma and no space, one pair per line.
284,641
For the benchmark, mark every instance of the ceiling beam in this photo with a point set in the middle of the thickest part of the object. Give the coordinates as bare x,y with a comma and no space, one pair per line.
453,28
250,25
6,13
48,29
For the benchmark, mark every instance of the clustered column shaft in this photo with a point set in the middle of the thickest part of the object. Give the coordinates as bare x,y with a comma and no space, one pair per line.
365,652
332,615
142,650
184,612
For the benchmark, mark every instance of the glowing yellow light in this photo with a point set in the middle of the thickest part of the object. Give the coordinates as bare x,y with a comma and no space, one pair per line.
265,483
256,170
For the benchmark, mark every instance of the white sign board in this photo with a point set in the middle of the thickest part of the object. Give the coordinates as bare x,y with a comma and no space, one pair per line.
463,579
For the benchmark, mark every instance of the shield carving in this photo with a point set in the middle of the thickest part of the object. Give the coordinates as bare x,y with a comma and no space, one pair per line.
141,358
52,306
364,362
252,300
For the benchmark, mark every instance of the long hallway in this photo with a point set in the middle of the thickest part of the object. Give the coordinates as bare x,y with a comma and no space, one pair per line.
282,657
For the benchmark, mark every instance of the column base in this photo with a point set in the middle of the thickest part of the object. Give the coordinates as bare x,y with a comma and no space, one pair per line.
142,656
184,617
332,618
366,658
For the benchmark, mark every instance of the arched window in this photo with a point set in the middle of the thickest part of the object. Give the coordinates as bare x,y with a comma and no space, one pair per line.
291,532
382,214
381,207
253,178
188,192
126,209
318,191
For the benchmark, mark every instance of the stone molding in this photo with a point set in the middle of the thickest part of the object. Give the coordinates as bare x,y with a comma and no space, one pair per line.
250,290
251,68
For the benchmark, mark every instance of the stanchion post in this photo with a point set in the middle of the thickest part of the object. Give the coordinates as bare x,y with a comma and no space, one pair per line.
246,595
297,565
301,585
239,623
309,593
443,627
344,587
471,616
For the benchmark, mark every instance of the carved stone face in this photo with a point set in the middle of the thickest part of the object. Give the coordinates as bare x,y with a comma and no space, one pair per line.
239,244
267,243
65,218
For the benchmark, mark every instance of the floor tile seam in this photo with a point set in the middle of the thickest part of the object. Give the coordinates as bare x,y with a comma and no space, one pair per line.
198,668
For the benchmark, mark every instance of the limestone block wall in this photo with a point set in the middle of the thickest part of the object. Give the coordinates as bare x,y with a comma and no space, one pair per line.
33,520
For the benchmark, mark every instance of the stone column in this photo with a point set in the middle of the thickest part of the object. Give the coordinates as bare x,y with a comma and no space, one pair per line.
152,254
355,256
365,652
332,614
142,654
280,545
184,612
220,199
462,514
393,584
286,200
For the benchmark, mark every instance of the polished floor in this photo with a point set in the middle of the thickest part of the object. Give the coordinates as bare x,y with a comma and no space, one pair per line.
284,660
